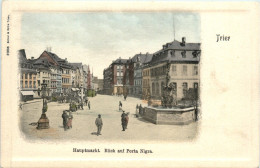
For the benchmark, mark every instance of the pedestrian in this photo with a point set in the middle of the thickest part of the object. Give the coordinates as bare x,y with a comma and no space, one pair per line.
21,106
65,119
123,120
89,105
69,123
81,105
120,105
127,119
140,109
86,101
136,108
99,124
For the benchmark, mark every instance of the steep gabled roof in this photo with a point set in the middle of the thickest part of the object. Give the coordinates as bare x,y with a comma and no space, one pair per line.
76,65
144,58
22,56
120,61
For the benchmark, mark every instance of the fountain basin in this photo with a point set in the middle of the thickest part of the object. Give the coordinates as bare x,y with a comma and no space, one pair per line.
169,116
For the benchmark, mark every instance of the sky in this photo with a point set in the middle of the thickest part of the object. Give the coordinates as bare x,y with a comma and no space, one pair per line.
96,39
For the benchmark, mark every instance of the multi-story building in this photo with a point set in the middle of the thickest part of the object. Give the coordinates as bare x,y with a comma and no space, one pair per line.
42,67
54,73
100,85
176,64
66,78
146,81
139,61
78,78
89,79
107,83
128,78
59,81
28,77
85,77
118,71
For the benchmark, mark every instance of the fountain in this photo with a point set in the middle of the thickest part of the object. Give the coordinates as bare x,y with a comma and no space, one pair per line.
169,112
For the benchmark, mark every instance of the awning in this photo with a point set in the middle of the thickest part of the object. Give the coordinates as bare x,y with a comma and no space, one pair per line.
75,89
27,93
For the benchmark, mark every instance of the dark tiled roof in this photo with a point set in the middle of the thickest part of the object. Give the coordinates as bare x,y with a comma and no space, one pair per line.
148,58
76,65
54,56
22,56
144,58
120,61
26,70
163,54
177,57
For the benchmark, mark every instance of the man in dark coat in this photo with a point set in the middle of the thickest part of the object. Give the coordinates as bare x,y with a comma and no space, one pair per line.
65,120
99,124
123,121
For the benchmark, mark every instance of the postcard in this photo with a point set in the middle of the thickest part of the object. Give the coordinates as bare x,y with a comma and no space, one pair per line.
130,84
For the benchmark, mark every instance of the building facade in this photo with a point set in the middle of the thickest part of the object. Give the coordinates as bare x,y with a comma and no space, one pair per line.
176,64
118,71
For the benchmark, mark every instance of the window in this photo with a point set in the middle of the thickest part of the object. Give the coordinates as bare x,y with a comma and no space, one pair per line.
184,70
157,88
195,54
26,76
185,88
30,76
21,84
26,84
195,70
195,85
183,53
30,84
174,70
172,53
174,86
153,89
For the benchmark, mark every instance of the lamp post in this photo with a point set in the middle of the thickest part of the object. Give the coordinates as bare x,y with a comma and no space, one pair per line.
43,122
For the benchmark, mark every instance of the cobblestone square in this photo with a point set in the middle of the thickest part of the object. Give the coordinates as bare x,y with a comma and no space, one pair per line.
84,128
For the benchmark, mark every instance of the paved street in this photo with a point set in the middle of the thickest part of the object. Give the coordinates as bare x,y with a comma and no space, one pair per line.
84,122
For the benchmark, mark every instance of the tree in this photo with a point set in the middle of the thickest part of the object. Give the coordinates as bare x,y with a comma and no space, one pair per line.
192,95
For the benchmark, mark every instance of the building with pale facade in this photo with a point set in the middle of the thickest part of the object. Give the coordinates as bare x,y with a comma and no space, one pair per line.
176,64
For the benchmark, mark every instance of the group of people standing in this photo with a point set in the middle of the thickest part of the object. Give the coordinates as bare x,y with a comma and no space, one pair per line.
139,110
67,120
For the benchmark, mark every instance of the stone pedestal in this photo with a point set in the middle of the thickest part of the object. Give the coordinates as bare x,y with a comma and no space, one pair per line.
43,122
169,116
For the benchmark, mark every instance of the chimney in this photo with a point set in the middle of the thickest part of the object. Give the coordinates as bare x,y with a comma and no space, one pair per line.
163,46
32,58
183,40
140,53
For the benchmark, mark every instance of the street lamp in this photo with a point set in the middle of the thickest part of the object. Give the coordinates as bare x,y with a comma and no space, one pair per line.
43,122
